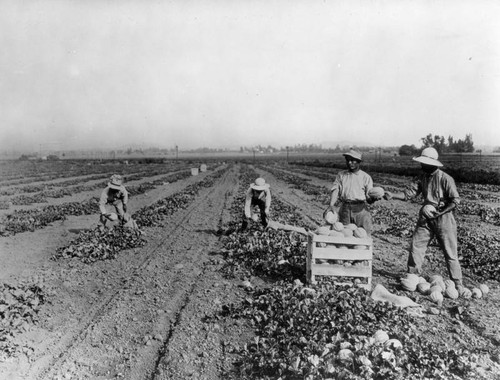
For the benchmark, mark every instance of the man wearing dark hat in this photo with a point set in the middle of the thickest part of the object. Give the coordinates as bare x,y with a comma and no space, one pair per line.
116,195
351,188
436,215
258,194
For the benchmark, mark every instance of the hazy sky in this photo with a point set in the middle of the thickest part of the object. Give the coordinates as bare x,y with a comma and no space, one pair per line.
219,73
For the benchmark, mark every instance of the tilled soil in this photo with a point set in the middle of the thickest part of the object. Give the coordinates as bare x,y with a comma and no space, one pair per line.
154,312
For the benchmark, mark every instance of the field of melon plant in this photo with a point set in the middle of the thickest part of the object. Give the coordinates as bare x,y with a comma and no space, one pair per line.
190,296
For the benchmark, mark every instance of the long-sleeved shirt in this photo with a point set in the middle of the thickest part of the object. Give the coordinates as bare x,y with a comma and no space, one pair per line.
109,196
349,186
263,195
437,189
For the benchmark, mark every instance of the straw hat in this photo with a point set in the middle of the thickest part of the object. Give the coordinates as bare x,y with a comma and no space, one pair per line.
429,156
356,154
259,184
116,182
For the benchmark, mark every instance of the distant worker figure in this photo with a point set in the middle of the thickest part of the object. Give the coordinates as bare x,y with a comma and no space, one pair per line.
436,217
115,195
352,188
258,194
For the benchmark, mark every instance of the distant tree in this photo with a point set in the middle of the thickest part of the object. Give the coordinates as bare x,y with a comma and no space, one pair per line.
408,150
460,146
437,142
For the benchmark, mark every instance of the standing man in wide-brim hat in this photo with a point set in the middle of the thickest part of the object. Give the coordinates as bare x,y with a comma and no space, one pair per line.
436,217
258,194
351,188
116,195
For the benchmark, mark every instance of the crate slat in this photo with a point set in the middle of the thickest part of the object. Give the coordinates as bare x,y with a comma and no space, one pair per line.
341,271
353,249
340,240
342,254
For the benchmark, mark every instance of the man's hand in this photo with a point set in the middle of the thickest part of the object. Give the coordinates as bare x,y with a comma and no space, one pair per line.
429,211
388,196
266,211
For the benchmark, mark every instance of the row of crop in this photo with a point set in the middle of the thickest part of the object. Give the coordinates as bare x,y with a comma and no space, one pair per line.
30,220
65,188
44,186
319,193
29,172
321,331
133,190
465,175
105,244
19,308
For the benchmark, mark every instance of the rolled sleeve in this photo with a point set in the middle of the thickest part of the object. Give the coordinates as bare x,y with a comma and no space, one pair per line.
125,196
450,190
268,199
248,201
103,200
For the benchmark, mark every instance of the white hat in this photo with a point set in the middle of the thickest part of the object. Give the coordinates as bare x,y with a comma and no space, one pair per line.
356,154
259,184
429,156
116,182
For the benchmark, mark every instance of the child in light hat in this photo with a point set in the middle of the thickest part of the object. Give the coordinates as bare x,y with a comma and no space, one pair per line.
116,195
258,194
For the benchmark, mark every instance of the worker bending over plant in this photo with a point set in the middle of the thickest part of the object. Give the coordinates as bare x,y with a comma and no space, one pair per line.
259,195
436,217
116,195
353,188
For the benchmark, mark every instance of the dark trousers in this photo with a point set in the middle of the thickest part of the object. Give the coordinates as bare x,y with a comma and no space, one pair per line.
261,204
444,228
356,213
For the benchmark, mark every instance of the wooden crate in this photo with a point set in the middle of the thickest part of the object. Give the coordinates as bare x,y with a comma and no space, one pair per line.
355,250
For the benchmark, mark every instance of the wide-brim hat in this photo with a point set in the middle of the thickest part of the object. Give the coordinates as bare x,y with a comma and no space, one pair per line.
354,154
429,156
259,184
116,182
